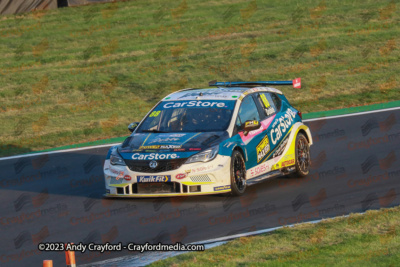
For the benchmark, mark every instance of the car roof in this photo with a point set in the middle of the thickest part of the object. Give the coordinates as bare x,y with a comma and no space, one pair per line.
220,93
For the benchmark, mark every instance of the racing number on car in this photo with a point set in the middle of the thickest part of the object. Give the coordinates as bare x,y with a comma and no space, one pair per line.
269,110
155,113
265,101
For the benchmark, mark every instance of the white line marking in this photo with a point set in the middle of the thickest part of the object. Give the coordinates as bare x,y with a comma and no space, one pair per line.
150,257
352,114
58,151
108,145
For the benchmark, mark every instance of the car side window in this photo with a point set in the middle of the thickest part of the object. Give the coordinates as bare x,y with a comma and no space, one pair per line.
277,101
267,103
247,111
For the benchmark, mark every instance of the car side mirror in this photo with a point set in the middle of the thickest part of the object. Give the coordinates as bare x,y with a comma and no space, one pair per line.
251,126
133,126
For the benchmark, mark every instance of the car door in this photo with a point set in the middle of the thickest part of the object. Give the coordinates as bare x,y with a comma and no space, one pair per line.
281,123
250,110
270,108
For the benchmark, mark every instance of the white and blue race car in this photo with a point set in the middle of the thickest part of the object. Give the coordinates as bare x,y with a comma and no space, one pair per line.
208,141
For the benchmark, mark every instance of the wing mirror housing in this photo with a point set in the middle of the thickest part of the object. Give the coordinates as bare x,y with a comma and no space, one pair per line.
251,126
133,126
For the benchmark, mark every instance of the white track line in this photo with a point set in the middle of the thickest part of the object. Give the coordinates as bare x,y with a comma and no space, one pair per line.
263,231
108,145
352,114
58,151
219,241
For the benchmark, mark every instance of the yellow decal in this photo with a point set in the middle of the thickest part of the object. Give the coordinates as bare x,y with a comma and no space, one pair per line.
262,148
149,147
155,113
251,123
265,101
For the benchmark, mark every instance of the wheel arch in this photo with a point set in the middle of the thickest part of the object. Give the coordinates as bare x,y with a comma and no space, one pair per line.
238,148
306,132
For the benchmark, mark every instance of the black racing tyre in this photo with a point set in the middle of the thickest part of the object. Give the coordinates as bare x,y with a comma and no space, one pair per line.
238,174
303,159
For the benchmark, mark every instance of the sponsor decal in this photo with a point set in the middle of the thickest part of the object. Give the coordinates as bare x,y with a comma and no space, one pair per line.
289,157
127,177
285,121
177,135
194,103
255,132
260,169
288,162
114,171
155,156
187,171
181,175
179,149
120,176
221,188
297,83
202,168
154,178
213,93
269,111
194,149
164,140
262,148
149,147
245,93
281,148
170,146
275,123
248,123
264,125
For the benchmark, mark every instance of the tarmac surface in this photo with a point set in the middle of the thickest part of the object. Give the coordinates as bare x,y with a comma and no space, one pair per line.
58,197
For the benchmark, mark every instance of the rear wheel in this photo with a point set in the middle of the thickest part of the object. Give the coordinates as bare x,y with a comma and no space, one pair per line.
238,174
303,160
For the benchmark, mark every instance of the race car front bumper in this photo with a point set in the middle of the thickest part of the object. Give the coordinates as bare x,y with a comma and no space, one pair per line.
198,178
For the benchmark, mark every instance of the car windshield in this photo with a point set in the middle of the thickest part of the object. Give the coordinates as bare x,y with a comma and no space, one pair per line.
189,116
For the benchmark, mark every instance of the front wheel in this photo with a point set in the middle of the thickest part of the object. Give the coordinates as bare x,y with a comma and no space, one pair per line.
303,159
238,174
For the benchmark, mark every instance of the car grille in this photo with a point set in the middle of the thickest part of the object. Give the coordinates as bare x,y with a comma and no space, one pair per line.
157,188
163,165
200,178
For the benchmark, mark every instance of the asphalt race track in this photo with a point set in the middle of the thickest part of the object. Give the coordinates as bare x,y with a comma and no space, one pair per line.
58,197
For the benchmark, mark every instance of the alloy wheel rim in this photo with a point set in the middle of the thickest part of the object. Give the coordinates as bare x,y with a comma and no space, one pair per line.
303,155
238,172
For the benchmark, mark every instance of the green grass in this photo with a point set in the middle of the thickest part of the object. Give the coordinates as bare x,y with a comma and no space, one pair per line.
359,240
82,74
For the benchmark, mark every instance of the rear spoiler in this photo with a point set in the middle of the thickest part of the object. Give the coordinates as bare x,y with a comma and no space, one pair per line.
296,83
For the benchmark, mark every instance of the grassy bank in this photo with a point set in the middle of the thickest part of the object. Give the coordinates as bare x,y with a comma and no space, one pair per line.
359,240
82,74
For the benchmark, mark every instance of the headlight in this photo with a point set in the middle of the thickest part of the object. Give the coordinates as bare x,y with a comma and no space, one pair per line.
204,156
115,159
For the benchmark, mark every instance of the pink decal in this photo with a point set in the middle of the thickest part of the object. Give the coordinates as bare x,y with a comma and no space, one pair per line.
264,125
